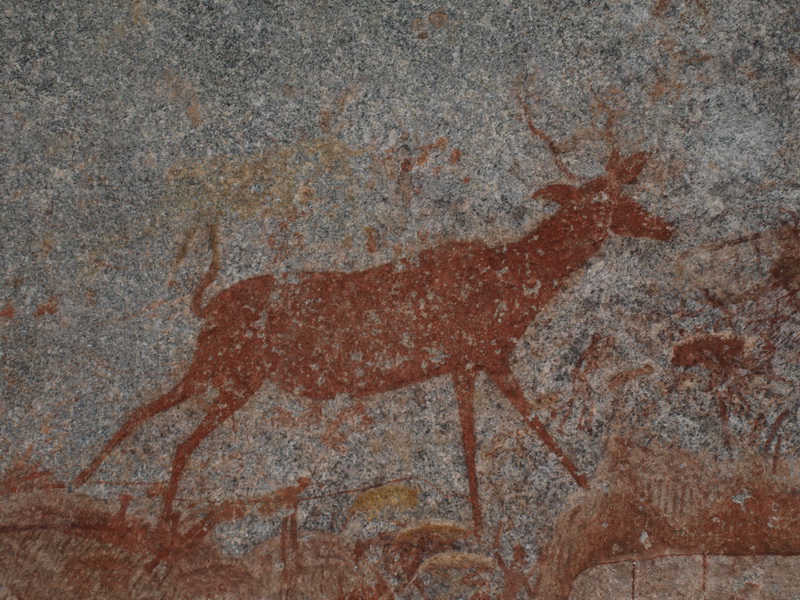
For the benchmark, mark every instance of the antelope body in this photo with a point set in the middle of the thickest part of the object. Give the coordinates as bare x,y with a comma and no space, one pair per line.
457,310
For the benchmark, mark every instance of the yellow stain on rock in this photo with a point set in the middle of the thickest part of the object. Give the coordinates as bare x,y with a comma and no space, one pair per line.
448,561
392,497
279,182
444,532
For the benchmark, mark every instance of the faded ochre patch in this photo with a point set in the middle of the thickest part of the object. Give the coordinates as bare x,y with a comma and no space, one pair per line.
198,193
446,532
390,497
279,182
448,561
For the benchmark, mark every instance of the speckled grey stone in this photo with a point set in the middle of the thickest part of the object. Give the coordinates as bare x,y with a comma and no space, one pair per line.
337,137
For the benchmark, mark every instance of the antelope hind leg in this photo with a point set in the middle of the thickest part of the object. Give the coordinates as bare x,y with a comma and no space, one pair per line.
222,409
504,378
178,394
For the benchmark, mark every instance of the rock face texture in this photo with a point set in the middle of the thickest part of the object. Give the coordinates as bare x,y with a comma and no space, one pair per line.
400,300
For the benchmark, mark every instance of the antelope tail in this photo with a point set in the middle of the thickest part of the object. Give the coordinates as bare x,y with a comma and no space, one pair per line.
211,274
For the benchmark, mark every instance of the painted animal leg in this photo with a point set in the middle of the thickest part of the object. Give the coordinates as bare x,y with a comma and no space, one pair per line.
180,393
723,416
505,380
220,411
464,384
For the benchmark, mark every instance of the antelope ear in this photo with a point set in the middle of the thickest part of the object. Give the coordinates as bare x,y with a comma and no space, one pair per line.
559,193
630,168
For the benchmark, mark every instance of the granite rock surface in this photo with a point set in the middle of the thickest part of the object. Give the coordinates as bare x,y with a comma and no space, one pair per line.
400,299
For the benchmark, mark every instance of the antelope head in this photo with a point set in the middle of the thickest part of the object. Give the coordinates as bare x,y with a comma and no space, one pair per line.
604,197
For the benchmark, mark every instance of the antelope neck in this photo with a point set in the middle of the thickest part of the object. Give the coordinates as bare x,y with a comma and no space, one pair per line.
559,246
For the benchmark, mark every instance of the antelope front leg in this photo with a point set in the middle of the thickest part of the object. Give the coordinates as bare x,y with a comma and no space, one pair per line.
504,378
464,384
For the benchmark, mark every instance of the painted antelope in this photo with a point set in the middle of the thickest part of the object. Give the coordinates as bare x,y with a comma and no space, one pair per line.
457,310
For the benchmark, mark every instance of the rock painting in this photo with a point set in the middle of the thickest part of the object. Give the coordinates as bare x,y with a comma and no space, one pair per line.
332,302
456,310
